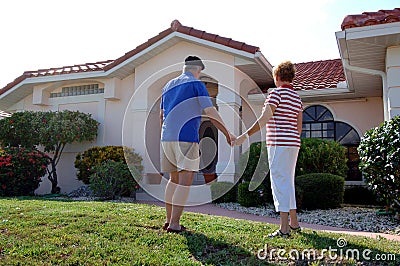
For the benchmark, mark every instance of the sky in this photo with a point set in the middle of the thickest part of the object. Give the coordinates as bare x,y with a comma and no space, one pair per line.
41,34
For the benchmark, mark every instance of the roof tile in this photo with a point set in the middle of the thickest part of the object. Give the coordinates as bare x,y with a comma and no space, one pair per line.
371,18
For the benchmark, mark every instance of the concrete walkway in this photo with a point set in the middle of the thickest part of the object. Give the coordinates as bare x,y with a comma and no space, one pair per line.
212,209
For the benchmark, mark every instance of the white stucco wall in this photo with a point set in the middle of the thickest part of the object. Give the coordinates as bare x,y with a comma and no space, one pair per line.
361,114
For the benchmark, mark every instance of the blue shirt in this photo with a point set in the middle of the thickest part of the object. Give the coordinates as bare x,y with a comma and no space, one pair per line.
183,100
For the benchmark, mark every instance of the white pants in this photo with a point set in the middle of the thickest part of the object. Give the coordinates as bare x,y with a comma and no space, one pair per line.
282,164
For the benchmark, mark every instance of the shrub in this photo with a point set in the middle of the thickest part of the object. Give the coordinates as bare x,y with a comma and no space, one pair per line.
111,180
94,156
21,171
318,155
254,168
254,162
360,195
321,190
379,152
253,198
223,192
52,131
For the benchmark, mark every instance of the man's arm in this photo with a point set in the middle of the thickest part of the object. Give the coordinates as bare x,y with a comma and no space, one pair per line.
216,119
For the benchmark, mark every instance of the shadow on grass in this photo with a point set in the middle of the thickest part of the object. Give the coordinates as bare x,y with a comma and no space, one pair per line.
216,252
340,250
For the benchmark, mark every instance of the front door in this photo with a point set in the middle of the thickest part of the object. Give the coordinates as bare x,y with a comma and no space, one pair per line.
208,151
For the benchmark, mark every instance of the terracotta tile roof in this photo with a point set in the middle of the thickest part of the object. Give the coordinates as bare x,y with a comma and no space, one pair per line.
318,75
176,26
88,67
324,74
371,18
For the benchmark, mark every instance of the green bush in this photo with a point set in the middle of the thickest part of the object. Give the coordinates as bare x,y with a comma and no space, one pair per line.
254,162
21,170
360,195
321,156
94,156
379,152
254,168
111,180
321,190
253,198
223,192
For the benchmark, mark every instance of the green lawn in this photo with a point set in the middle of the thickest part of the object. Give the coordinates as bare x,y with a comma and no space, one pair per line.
49,232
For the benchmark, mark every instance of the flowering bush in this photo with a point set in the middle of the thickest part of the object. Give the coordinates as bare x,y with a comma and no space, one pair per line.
21,170
111,180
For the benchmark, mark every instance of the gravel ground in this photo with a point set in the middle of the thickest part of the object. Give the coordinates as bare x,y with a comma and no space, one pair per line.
357,218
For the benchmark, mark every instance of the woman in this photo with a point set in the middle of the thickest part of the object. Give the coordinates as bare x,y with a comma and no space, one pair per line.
282,114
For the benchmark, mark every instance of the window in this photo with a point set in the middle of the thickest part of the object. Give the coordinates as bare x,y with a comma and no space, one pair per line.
318,122
78,90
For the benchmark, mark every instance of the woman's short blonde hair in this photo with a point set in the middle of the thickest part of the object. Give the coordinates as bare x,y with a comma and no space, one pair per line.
285,71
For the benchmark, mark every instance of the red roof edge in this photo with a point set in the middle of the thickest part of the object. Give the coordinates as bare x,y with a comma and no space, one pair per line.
371,18
176,26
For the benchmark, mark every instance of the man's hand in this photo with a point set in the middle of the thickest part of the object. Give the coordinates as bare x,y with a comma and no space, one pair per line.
231,139
239,140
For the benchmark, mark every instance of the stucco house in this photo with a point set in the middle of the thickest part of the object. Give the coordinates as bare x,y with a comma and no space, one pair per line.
342,97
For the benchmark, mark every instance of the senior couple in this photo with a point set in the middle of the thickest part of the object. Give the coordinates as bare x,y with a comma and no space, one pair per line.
185,98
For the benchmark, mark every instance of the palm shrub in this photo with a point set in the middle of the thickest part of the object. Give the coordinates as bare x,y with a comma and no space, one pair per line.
379,152
111,180
21,170
318,155
94,156
320,190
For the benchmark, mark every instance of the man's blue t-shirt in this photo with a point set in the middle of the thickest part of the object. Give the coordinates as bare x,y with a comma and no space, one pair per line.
183,100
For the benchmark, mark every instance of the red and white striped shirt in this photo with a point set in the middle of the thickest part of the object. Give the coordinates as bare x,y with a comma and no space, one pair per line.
282,126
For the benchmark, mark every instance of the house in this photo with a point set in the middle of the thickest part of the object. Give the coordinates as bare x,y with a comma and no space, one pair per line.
342,97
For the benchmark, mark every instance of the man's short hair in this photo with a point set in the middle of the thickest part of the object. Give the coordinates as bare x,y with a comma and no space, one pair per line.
192,60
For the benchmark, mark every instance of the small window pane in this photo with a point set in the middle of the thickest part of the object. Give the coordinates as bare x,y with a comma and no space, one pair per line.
316,126
307,117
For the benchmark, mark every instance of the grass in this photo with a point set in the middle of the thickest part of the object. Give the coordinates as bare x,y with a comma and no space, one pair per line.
48,232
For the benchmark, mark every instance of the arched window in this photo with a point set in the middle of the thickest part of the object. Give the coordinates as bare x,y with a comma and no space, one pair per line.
318,122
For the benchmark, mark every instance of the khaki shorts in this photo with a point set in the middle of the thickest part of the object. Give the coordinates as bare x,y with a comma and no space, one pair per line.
177,156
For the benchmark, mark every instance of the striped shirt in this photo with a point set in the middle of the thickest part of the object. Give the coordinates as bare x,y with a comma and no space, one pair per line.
282,127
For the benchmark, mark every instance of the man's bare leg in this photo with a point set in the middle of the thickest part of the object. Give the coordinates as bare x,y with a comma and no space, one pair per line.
180,197
169,194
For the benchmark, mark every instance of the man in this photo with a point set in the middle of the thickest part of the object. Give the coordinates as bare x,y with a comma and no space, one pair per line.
183,101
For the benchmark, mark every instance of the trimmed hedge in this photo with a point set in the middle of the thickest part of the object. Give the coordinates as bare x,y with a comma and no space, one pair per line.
318,155
320,190
226,189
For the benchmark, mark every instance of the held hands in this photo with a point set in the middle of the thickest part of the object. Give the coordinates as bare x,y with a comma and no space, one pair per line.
239,140
230,139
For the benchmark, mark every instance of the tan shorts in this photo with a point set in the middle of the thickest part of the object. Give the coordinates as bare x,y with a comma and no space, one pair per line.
177,156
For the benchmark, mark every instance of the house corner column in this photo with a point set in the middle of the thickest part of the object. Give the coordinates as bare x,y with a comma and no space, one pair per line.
393,80
228,157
